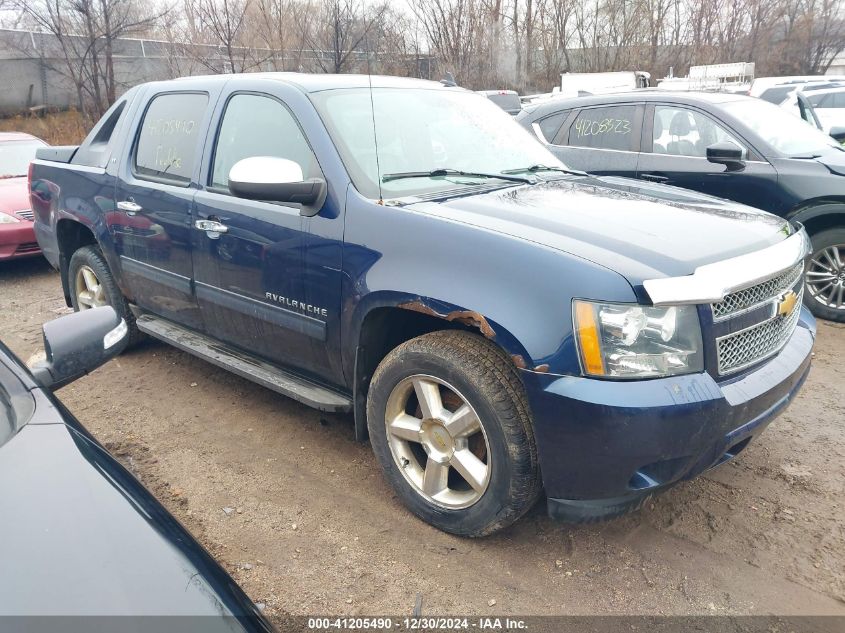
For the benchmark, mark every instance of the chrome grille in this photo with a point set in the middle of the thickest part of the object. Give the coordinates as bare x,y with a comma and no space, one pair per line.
759,294
744,348
25,214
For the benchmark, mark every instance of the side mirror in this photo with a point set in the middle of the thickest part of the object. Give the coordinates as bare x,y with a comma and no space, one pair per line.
79,343
726,153
838,134
273,179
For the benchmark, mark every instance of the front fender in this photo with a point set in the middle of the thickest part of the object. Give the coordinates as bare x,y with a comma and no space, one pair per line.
515,292
448,312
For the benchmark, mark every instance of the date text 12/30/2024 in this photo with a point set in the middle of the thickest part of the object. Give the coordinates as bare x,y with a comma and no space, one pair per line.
416,624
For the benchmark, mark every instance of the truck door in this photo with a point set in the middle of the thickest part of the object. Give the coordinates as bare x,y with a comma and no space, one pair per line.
151,221
250,280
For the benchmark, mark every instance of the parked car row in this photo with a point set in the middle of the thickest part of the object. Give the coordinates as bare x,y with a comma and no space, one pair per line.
719,144
814,99
725,146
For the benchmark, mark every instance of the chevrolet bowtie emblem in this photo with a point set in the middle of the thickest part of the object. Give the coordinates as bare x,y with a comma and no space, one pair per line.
786,303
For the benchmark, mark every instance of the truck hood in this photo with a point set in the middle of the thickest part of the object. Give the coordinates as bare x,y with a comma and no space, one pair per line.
639,230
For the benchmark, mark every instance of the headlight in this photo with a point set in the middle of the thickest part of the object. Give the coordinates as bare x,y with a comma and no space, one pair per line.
618,340
7,219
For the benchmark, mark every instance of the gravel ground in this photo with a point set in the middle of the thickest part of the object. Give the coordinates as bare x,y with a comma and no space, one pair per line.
298,512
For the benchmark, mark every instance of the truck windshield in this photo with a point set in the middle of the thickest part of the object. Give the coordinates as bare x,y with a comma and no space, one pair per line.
785,132
15,157
425,130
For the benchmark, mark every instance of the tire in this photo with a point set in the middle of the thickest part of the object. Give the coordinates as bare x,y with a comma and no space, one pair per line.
471,374
824,293
89,260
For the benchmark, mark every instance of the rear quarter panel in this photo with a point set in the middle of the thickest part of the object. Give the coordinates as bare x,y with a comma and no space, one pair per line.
71,193
75,192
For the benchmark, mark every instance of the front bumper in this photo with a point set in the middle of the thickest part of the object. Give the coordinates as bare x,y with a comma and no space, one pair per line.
607,446
18,240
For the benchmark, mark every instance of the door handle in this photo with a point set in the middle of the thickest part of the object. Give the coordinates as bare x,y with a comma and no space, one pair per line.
212,229
654,178
129,206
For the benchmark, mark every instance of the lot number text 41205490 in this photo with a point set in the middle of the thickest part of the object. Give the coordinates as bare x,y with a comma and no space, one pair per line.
415,624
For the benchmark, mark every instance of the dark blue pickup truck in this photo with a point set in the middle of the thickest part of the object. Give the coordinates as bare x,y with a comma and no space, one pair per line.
499,325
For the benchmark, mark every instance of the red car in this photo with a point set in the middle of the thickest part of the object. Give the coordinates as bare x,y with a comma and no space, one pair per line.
17,238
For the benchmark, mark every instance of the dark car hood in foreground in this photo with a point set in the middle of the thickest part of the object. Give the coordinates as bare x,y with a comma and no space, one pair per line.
640,230
80,536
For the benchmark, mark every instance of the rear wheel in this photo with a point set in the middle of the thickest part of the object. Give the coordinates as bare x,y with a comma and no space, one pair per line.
92,285
449,424
825,276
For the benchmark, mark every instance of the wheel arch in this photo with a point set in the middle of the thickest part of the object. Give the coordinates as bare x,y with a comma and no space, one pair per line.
71,235
388,319
819,214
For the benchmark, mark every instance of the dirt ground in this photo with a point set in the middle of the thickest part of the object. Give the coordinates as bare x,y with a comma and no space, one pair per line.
298,512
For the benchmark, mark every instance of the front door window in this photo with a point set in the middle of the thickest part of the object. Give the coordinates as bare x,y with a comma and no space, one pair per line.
682,132
254,125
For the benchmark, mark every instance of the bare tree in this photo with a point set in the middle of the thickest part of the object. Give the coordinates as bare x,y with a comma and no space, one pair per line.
282,26
85,32
823,34
341,30
455,30
220,24
522,44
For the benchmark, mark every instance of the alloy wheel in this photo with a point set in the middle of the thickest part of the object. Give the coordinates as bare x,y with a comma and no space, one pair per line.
826,277
438,441
90,293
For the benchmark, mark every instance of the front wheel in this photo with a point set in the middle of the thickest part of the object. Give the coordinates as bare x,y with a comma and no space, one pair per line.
92,285
450,427
825,276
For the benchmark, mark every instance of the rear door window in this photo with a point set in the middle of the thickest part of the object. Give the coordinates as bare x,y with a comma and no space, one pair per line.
550,125
167,144
96,149
610,127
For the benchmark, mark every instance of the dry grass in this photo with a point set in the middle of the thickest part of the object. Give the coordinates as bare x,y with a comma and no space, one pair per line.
57,128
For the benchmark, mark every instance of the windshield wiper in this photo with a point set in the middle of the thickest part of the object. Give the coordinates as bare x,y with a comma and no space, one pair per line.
440,173
535,168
